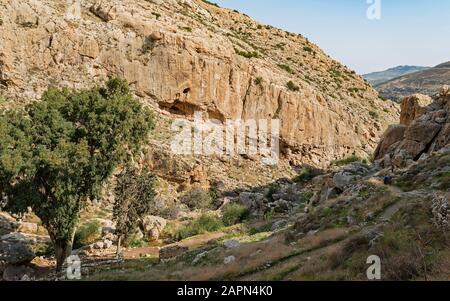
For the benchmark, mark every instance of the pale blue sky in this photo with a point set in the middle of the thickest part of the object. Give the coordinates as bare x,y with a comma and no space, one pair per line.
410,32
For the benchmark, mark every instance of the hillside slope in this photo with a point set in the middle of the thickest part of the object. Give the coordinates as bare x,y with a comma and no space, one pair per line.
350,216
426,82
377,78
186,56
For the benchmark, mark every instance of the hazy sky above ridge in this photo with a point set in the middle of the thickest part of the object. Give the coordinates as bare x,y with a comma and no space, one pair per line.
409,32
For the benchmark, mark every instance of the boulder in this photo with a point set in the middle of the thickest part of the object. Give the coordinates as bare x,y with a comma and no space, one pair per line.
104,10
107,244
255,201
343,179
199,257
16,249
106,231
232,244
98,245
17,273
153,226
229,260
393,135
348,175
413,107
7,223
281,206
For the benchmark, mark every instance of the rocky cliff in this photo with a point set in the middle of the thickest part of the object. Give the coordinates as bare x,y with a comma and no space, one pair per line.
185,56
424,129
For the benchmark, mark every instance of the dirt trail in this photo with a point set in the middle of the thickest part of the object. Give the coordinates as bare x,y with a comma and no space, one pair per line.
189,243
290,264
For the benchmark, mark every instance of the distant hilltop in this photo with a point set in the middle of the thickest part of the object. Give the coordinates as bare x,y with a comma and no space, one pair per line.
428,82
377,78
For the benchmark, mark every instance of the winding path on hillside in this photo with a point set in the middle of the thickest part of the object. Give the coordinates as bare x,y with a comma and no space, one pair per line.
285,267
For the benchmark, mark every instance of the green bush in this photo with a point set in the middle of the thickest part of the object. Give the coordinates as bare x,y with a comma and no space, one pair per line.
134,240
157,15
204,224
247,54
286,68
234,214
274,188
374,115
199,198
308,49
292,87
306,174
258,81
211,3
186,28
346,161
87,234
43,249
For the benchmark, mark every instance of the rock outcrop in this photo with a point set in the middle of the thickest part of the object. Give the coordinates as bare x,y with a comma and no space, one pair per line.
153,226
428,132
413,107
186,56
15,249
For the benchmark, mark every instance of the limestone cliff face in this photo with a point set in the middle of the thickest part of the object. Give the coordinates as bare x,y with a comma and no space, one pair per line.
184,56
418,137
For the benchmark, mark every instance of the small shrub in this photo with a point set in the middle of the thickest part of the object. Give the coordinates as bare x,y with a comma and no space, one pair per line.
280,46
211,3
234,214
374,115
199,198
43,249
346,161
185,28
305,197
292,87
286,68
149,45
258,81
249,55
157,15
306,174
134,240
269,215
87,234
274,188
204,224
308,49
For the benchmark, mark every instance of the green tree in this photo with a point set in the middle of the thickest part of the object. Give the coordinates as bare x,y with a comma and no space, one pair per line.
134,199
57,153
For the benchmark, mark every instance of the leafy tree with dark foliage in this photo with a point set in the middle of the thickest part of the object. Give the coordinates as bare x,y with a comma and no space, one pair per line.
134,199
57,153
